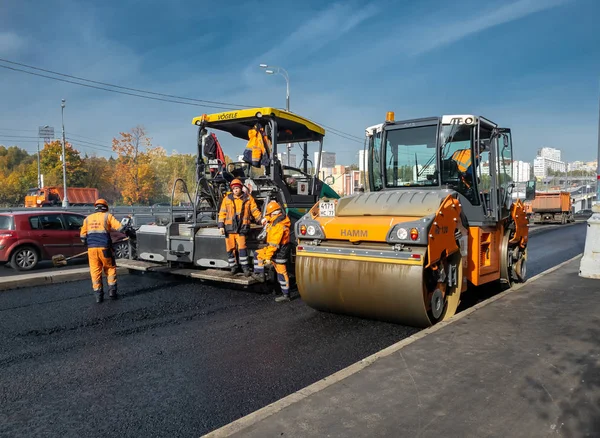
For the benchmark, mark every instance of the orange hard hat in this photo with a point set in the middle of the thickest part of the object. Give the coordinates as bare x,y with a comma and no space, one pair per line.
101,202
272,207
236,182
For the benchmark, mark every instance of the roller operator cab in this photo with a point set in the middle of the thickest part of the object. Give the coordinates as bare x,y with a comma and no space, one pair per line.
196,243
437,218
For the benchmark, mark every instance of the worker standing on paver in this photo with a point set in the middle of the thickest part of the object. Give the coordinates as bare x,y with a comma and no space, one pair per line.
277,250
95,234
258,148
234,223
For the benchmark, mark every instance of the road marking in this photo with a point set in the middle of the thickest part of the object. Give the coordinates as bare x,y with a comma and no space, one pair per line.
273,408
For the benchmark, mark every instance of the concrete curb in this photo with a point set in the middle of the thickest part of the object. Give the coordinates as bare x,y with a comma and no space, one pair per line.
41,279
273,408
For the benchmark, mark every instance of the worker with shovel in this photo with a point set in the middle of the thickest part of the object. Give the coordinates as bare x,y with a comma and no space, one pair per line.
95,234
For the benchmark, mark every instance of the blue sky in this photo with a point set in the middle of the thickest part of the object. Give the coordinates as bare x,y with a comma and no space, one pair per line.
532,65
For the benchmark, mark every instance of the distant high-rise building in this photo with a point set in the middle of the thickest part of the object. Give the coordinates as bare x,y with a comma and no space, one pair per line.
284,159
548,158
328,159
362,164
542,164
550,153
521,171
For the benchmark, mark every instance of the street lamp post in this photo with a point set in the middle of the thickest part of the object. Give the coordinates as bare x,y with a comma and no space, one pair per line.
598,169
270,70
39,182
65,202
45,132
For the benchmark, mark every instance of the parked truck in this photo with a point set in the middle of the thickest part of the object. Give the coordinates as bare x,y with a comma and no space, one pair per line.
552,207
53,196
528,208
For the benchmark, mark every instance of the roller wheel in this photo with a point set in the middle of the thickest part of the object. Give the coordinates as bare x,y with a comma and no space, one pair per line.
513,262
441,300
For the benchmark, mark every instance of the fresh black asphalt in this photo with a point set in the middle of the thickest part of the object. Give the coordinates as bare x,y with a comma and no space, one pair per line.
175,357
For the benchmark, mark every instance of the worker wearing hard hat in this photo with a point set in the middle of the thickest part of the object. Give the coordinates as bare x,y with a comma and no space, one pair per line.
95,234
277,250
234,222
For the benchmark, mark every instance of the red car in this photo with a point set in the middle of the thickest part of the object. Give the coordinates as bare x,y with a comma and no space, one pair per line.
28,237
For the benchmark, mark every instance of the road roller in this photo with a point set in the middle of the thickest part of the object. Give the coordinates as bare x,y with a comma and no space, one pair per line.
436,219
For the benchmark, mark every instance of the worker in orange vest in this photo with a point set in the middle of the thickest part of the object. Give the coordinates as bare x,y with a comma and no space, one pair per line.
95,234
257,149
277,250
234,223
463,160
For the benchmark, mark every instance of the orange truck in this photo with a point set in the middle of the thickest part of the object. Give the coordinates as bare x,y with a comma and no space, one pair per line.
552,207
53,196
528,209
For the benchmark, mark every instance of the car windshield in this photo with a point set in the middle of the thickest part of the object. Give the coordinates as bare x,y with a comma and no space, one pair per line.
411,157
6,223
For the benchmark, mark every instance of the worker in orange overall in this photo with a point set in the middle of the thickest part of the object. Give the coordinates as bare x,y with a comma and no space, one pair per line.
234,223
95,234
463,160
277,250
257,149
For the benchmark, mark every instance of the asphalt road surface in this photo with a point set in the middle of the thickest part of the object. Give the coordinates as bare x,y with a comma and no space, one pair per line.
178,358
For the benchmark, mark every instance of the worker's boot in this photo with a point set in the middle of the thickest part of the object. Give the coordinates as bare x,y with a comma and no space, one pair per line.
246,270
112,294
99,295
282,298
234,269
259,276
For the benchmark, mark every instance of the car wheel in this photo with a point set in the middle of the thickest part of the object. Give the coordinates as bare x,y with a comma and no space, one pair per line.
24,258
122,250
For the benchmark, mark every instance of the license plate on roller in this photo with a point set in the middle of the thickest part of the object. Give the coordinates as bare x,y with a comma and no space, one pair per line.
326,209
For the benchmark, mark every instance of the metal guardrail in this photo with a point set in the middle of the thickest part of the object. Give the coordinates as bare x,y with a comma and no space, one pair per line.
140,214
121,209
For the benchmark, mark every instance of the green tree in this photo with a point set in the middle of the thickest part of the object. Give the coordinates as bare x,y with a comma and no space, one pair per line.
51,165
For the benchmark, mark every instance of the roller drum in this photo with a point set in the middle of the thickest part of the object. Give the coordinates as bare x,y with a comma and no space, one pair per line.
391,292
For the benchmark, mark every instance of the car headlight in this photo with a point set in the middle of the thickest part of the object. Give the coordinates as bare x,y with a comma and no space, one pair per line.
402,233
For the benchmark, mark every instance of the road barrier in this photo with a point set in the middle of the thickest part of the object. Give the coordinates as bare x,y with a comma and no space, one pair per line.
590,262
140,214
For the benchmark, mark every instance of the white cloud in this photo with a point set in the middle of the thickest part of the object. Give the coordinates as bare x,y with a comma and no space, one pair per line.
438,36
316,33
10,43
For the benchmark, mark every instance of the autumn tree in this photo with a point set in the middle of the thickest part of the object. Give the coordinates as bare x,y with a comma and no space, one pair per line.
168,169
99,173
51,165
18,173
134,174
